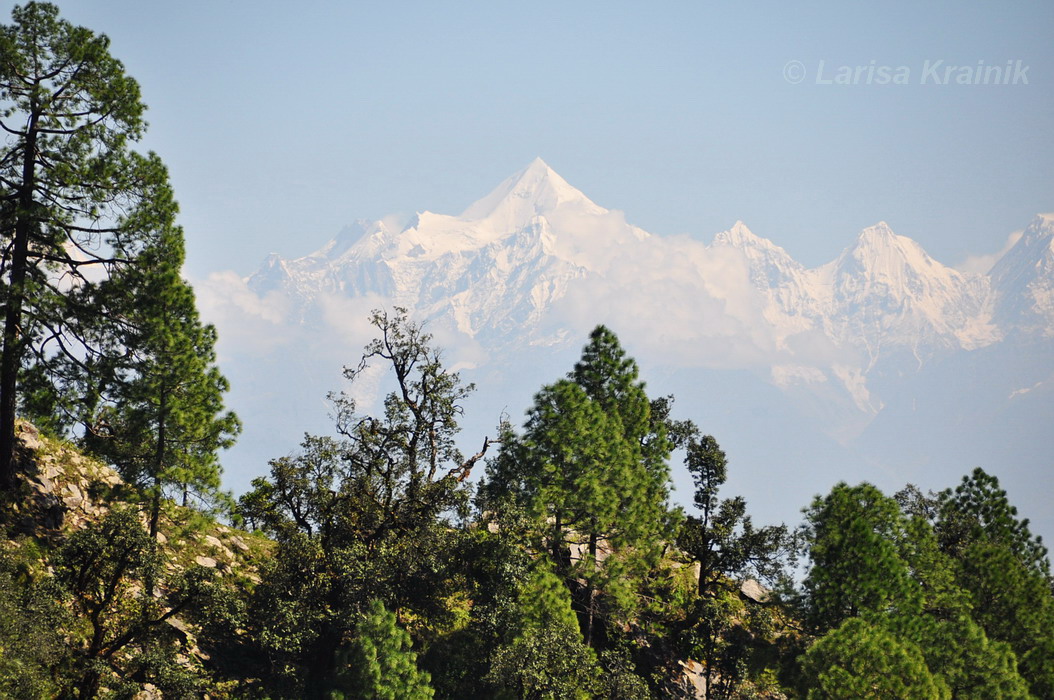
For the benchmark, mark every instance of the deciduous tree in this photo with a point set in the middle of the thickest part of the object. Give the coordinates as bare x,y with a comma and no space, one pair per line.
361,517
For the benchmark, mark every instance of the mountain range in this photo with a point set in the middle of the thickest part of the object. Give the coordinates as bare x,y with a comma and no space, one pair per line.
515,266
898,366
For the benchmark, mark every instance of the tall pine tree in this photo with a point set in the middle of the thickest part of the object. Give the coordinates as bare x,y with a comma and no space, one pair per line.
591,468
76,204
163,422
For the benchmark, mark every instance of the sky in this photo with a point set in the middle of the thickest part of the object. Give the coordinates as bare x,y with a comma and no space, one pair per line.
281,123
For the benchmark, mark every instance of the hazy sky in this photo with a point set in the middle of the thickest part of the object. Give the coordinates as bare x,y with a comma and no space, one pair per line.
281,122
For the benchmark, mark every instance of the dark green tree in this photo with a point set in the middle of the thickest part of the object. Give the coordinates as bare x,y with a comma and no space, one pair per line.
857,567
546,663
979,510
122,633
362,516
858,660
611,378
958,651
162,422
32,619
875,563
722,542
379,664
591,469
722,539
76,204
1003,570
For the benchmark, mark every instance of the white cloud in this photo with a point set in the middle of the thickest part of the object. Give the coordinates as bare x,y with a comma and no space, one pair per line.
700,310
249,323
981,264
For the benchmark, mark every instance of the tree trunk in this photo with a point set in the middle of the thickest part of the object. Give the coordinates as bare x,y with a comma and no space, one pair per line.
591,590
11,359
556,546
159,463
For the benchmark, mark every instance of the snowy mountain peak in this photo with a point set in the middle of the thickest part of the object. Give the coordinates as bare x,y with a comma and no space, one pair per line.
887,291
537,190
1035,244
1023,279
1040,227
880,251
880,236
739,235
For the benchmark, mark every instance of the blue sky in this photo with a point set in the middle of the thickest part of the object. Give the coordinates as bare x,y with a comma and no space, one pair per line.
280,123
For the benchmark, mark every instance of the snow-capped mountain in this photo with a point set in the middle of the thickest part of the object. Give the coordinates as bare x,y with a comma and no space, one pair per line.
503,264
886,293
536,257
1023,281
494,270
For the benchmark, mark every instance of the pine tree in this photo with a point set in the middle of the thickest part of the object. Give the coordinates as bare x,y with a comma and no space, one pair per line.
723,542
611,378
857,568
379,664
162,423
1004,571
858,660
571,471
979,510
722,538
76,204
591,468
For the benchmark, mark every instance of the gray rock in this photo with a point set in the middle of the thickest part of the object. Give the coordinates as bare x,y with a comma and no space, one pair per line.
754,591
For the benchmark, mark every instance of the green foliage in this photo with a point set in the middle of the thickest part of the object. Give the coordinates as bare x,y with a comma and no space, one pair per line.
120,630
619,679
32,649
363,516
958,651
495,575
162,423
549,663
378,664
853,535
858,660
544,600
718,629
721,539
1004,572
978,510
590,470
952,603
1037,666
78,206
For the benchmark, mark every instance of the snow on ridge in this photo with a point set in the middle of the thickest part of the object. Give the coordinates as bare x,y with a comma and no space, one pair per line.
1023,280
509,259
532,191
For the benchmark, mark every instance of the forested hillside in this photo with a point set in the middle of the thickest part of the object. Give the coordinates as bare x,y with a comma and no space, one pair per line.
379,560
